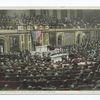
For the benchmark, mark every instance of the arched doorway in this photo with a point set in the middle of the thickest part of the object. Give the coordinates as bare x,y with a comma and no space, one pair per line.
78,39
59,40
83,39
52,39
14,43
1,45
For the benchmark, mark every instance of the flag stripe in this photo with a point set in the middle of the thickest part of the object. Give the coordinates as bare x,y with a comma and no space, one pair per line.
36,35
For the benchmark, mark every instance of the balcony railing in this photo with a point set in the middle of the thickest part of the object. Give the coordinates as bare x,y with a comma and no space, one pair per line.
29,28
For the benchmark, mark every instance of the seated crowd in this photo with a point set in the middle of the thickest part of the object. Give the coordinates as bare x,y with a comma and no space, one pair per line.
10,23
80,71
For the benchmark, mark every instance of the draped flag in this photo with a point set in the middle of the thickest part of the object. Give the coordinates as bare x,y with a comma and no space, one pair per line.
33,35
36,36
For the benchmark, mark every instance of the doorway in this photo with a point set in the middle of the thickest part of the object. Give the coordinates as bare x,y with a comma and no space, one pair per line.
1,46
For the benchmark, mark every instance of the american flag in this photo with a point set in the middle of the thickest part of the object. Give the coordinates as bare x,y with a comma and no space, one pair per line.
36,36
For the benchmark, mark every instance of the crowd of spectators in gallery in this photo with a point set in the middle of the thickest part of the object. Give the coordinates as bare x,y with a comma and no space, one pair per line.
8,22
